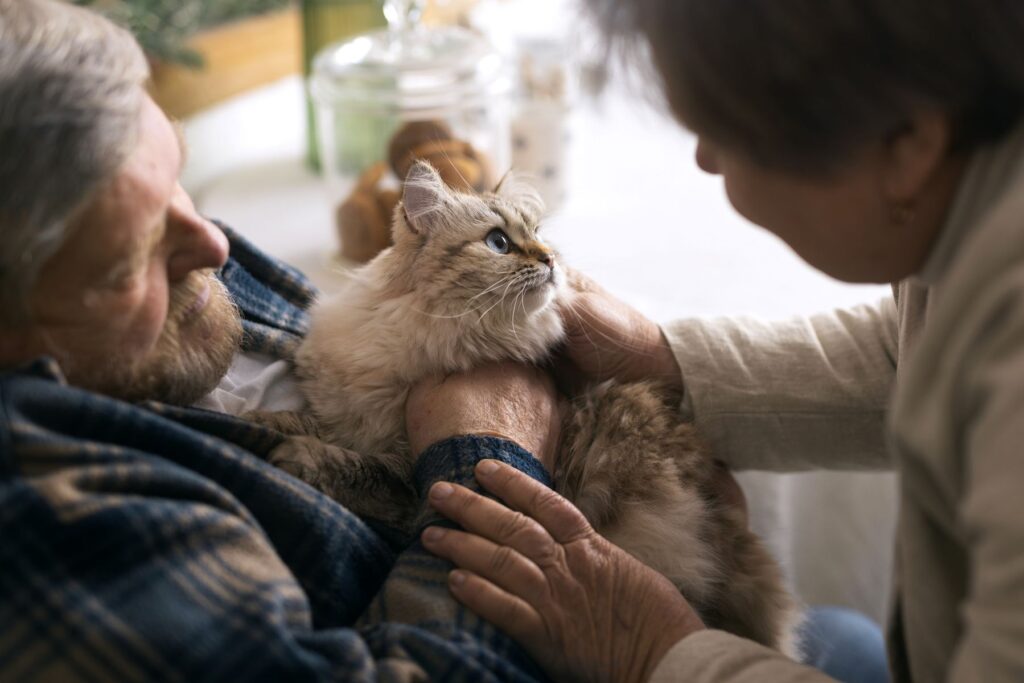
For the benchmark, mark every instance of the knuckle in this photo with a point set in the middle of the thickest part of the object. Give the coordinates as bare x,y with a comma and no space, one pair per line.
549,554
544,500
566,518
513,524
464,501
502,560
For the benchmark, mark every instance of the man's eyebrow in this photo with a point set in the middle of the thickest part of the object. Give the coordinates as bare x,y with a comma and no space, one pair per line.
179,133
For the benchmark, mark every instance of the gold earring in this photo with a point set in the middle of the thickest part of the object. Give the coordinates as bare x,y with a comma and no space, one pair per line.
902,213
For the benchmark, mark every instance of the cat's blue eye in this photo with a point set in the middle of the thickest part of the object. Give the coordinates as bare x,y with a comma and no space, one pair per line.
498,241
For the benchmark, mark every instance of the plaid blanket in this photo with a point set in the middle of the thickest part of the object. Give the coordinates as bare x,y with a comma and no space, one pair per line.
153,543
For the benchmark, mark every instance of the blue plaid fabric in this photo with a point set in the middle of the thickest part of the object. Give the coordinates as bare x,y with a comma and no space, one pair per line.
154,543
272,296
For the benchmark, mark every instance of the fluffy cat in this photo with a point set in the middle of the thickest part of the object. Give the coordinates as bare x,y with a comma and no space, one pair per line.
469,280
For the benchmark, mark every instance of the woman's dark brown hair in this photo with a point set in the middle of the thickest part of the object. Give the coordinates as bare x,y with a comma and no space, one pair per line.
799,84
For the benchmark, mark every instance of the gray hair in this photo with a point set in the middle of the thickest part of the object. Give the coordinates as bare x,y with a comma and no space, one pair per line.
802,84
70,96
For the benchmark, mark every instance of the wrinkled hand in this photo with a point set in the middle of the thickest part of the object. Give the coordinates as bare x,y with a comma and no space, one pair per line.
583,608
508,400
608,339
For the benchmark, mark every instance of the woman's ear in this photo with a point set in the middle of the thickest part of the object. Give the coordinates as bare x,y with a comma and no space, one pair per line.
424,197
914,154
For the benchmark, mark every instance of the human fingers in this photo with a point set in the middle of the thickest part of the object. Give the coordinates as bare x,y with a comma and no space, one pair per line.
607,338
500,564
509,613
493,521
558,516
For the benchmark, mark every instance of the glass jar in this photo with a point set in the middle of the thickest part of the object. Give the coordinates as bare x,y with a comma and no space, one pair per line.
323,23
384,99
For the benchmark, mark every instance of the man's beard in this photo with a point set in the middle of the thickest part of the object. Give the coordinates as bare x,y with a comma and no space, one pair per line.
191,356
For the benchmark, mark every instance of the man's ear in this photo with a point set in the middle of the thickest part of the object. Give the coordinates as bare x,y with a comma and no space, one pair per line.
914,154
424,198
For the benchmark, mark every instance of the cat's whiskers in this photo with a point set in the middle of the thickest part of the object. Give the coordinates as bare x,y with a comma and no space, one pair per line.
512,280
508,281
512,318
590,340
469,309
497,284
439,315
516,279
520,300
448,160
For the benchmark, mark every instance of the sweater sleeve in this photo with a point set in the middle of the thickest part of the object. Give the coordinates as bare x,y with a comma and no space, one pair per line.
136,548
991,430
807,393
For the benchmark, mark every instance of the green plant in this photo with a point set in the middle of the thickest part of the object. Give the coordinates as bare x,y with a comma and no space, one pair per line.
163,26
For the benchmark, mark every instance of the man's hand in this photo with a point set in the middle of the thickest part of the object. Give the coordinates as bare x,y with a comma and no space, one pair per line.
608,339
583,608
509,400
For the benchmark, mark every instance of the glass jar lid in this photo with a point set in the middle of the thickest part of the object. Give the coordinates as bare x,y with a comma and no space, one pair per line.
409,67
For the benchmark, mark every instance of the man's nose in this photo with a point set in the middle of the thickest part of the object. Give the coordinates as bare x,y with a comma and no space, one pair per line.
196,243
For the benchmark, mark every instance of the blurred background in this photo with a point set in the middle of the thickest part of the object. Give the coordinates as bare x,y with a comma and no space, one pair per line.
301,118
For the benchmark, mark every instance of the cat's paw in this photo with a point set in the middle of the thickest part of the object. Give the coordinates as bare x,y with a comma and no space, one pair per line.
286,422
299,456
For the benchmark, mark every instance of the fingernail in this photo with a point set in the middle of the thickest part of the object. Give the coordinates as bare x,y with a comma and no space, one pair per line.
432,534
486,467
441,490
457,578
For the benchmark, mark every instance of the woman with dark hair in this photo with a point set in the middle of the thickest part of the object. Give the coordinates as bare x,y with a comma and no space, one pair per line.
884,142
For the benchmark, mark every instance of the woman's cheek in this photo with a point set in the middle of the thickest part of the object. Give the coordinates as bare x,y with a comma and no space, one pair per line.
736,193
763,203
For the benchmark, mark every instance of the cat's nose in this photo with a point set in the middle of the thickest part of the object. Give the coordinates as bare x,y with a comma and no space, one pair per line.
547,259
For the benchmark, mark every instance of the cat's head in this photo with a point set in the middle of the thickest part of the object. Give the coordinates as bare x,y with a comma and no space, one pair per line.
477,256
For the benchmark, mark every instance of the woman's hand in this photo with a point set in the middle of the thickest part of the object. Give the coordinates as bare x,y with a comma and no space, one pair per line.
583,608
608,339
509,400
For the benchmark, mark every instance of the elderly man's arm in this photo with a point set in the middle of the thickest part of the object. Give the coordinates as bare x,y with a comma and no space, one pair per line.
144,544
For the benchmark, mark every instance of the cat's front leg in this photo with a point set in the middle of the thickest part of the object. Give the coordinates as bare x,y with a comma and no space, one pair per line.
292,423
373,487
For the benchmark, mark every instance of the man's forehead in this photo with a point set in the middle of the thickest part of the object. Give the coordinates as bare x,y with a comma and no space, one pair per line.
136,198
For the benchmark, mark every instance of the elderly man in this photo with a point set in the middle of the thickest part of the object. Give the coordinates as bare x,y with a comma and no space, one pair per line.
145,540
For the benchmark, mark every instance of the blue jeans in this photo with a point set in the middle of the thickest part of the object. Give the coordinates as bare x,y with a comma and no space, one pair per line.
844,644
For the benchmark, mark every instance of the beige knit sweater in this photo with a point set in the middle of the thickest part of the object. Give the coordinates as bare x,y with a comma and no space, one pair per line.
930,382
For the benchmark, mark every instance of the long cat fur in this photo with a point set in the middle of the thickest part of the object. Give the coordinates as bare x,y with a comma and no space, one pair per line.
439,301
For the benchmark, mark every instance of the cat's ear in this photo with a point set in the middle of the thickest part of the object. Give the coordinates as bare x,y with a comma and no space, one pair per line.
424,198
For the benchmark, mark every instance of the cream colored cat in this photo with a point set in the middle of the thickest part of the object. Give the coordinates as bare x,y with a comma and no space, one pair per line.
469,280
450,294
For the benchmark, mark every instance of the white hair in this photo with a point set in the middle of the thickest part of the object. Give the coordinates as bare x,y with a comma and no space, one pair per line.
70,96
